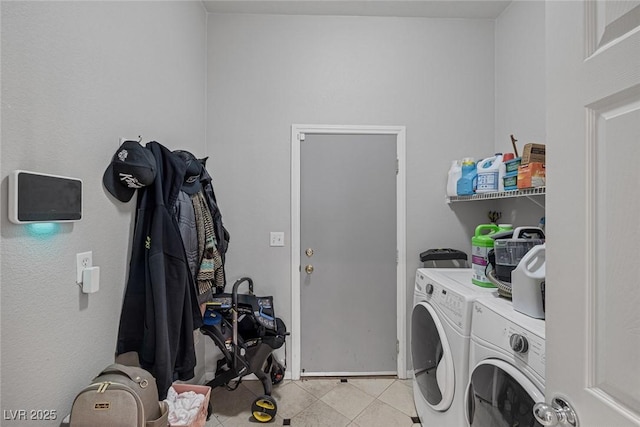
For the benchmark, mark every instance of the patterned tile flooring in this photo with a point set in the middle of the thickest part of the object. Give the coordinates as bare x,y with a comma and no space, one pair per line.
320,402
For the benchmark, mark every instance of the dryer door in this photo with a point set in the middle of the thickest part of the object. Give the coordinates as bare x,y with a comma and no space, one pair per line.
431,357
500,395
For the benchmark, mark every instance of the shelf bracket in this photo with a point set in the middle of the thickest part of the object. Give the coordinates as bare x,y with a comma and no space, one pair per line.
535,202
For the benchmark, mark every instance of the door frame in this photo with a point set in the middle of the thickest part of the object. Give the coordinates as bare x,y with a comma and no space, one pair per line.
401,281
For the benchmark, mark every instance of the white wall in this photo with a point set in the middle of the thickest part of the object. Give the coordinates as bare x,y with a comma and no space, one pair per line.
266,73
520,75
520,91
76,76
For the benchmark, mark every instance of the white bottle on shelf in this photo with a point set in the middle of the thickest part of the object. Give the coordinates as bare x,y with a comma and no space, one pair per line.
455,172
488,174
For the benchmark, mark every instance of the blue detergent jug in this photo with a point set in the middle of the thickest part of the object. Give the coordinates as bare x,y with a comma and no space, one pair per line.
466,185
488,174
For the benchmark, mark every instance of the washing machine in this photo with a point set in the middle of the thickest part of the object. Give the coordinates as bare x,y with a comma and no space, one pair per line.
506,365
440,329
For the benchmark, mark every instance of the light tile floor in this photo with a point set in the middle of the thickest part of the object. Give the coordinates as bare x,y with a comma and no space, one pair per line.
319,402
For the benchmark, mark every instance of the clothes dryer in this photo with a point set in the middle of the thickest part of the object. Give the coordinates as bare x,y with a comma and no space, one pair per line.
440,329
506,365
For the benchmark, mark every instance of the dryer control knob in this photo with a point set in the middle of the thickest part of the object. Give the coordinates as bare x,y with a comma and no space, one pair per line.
518,343
429,289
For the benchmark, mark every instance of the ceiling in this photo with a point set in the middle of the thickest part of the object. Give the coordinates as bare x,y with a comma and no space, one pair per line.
469,9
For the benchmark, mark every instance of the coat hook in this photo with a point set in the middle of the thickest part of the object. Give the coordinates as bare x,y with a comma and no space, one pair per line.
121,140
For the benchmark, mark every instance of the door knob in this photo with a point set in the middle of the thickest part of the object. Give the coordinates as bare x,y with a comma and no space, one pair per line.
559,413
309,269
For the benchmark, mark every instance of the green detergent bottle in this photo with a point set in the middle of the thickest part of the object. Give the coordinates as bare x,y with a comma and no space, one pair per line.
481,244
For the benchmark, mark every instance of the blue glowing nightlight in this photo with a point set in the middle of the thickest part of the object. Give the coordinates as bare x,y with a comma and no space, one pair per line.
43,229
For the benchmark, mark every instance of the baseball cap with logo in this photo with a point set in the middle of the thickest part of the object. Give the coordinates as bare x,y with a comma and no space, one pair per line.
132,167
191,184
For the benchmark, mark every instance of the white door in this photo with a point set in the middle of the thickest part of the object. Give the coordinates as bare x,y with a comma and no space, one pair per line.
593,206
345,238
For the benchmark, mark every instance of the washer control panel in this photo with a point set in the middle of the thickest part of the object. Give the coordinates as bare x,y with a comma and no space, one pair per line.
450,302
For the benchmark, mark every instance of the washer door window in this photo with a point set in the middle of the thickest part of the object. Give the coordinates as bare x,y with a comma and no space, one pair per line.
431,356
499,395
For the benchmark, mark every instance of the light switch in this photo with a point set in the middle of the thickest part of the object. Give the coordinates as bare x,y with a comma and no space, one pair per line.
277,238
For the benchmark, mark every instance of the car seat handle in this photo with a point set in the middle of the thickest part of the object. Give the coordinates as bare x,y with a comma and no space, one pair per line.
237,284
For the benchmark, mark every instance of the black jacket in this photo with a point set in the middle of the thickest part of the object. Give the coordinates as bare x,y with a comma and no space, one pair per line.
158,313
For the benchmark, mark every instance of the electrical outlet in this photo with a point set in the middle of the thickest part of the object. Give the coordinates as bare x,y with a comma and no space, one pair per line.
83,260
276,238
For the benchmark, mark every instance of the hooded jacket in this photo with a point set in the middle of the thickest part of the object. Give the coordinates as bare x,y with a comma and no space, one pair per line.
159,312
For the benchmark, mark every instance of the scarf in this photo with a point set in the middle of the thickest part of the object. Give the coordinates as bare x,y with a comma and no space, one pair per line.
211,273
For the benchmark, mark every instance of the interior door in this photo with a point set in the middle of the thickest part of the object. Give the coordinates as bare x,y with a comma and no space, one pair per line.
593,126
348,254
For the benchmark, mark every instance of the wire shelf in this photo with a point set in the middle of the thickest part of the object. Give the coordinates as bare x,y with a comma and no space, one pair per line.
526,192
